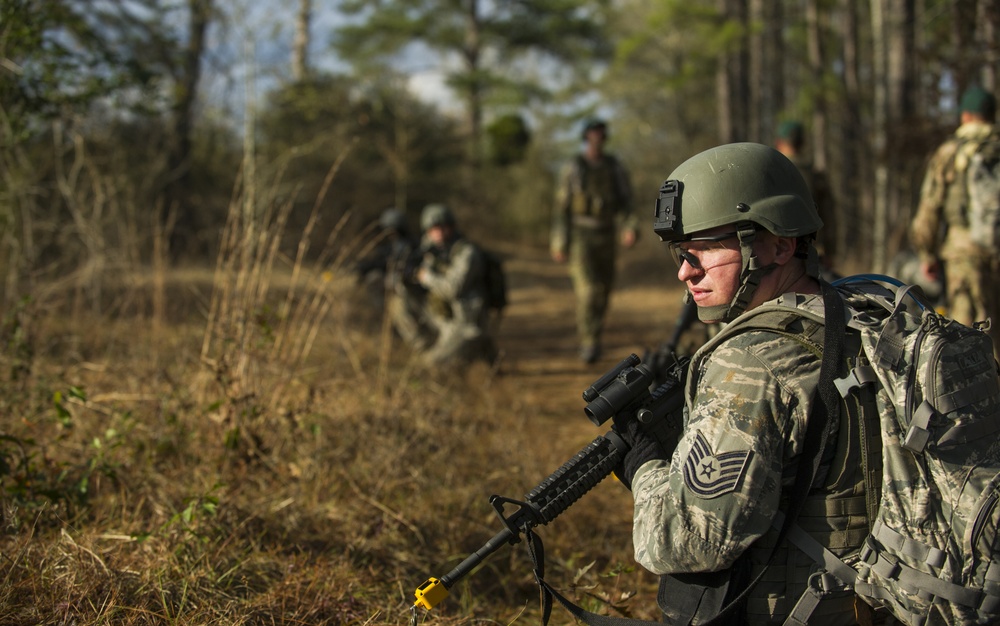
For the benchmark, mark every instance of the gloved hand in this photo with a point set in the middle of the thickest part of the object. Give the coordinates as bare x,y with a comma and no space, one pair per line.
642,448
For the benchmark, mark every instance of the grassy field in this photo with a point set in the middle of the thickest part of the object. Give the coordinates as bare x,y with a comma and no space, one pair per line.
251,445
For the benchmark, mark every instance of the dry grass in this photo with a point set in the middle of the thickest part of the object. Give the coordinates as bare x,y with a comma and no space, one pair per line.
129,500
252,450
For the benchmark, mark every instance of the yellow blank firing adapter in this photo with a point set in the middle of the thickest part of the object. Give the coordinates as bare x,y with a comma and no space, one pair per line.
430,593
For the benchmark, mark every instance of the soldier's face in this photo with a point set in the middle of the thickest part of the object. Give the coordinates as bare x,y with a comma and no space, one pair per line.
439,234
710,268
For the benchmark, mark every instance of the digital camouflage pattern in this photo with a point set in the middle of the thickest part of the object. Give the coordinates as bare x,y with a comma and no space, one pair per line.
447,318
934,554
592,202
972,279
749,395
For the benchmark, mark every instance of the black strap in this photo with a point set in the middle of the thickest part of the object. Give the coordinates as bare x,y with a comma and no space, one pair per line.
814,443
594,619
537,552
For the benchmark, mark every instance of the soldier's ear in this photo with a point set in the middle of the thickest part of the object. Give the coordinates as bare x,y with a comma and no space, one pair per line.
784,249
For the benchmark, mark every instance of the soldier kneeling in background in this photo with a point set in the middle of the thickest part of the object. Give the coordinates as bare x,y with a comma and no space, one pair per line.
441,307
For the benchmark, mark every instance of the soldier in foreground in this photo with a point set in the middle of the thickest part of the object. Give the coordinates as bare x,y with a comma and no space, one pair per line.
440,308
970,268
741,226
593,200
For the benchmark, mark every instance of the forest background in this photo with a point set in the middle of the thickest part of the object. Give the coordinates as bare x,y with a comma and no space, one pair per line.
185,184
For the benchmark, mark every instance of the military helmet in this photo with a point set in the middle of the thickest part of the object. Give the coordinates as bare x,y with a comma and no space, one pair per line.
392,219
729,184
436,215
594,124
748,185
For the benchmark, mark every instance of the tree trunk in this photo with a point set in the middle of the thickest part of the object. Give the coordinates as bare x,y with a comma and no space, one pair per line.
758,111
765,71
731,76
880,189
988,24
900,121
472,50
179,161
964,33
300,46
740,73
817,68
775,66
854,170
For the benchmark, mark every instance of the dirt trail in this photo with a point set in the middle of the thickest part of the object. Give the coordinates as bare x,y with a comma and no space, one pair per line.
538,332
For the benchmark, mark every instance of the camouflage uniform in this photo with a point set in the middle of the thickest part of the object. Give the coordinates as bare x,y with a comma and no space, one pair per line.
592,201
971,272
748,399
383,266
446,317
826,242
790,141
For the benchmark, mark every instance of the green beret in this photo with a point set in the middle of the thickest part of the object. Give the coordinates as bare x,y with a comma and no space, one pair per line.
791,130
978,100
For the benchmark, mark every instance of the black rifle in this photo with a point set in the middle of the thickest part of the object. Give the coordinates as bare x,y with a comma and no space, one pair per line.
625,391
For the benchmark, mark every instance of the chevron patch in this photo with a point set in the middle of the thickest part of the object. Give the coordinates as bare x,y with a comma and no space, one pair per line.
709,475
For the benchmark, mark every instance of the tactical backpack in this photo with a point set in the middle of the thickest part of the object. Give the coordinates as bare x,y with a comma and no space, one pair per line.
983,184
933,555
932,385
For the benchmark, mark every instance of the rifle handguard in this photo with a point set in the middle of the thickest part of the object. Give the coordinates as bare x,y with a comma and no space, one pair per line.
624,389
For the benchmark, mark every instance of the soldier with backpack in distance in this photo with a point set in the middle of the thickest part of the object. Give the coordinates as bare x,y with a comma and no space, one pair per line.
444,306
593,200
956,222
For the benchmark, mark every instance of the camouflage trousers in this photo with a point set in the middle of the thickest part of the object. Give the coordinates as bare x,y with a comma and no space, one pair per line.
972,288
437,338
592,271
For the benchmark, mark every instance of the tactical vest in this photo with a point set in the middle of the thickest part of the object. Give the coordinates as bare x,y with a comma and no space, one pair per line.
596,194
837,509
469,303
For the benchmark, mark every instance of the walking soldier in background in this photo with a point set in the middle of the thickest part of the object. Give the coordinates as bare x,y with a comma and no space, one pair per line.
593,200
955,228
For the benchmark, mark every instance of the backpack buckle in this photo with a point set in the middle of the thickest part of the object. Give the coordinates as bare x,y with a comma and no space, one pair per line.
917,435
858,377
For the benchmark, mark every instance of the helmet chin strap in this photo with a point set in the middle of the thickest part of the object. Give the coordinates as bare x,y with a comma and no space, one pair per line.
750,277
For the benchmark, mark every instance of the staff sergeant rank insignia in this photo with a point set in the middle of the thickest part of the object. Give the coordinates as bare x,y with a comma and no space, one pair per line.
710,475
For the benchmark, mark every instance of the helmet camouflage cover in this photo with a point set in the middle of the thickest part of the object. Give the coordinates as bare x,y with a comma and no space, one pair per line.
436,215
392,219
